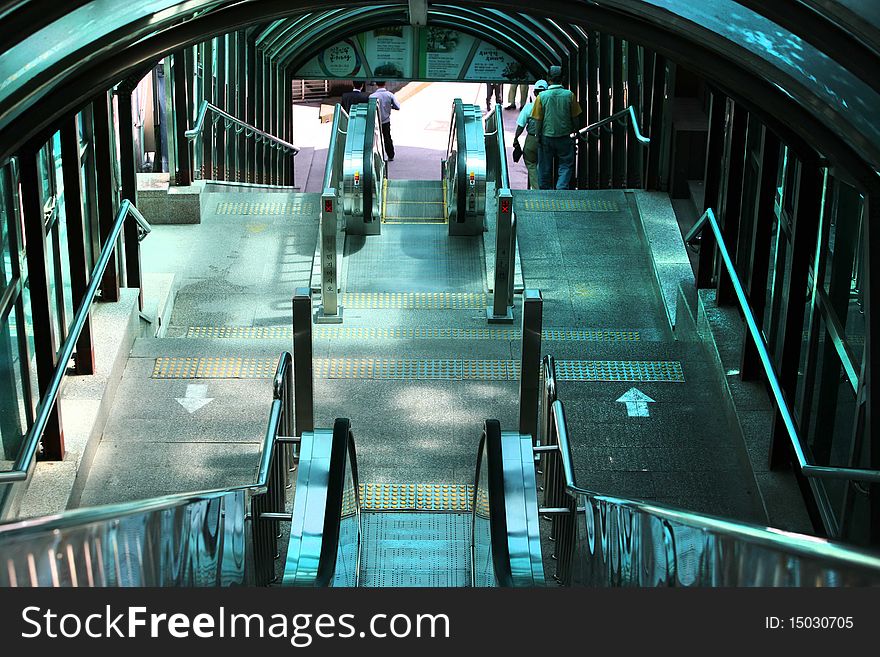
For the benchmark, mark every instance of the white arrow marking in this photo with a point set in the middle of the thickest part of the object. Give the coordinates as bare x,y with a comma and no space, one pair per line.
636,402
195,398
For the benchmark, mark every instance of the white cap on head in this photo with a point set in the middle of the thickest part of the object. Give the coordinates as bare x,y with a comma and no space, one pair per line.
540,85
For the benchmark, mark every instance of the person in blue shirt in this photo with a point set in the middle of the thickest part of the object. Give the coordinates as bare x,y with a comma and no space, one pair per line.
386,102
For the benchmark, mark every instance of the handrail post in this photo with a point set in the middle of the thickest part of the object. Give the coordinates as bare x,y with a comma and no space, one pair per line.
330,311
304,409
530,363
501,311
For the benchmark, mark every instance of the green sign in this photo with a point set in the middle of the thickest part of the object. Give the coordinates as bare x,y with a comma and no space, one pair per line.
406,53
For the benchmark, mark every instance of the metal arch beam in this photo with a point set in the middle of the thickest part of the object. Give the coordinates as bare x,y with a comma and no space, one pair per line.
69,82
502,21
493,31
296,52
308,43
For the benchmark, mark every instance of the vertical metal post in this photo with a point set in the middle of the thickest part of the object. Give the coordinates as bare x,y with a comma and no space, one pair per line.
593,115
714,164
221,155
84,359
183,173
530,363
45,346
104,178
129,185
304,393
618,129
759,263
250,105
658,103
805,223
501,311
330,311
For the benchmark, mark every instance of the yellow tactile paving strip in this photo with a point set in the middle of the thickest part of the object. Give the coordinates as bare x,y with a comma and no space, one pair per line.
619,370
269,208
416,497
214,368
417,369
376,333
415,300
569,205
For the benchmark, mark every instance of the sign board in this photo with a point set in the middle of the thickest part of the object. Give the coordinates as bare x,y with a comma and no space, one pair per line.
404,52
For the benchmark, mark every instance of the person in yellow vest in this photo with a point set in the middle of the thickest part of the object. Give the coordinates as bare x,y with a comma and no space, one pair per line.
555,114
530,148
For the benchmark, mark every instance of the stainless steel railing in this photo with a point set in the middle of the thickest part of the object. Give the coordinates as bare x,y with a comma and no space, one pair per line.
238,127
628,116
235,159
31,443
209,538
601,540
803,463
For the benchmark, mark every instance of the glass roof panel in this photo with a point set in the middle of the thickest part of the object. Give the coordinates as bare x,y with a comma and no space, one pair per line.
69,34
846,94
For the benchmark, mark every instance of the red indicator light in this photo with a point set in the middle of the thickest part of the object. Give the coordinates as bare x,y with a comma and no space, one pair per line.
505,206
328,206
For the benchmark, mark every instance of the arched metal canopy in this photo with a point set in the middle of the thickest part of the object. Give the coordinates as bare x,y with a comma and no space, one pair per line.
811,64
293,41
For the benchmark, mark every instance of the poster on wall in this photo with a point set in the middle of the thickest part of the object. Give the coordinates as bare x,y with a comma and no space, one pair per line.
401,52
389,51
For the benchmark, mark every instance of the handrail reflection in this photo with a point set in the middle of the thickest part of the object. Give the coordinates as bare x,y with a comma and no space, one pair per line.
787,542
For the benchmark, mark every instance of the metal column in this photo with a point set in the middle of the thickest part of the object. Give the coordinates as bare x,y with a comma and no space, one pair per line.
39,275
84,359
501,311
330,312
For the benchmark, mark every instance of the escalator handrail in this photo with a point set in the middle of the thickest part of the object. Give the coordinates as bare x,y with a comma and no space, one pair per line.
490,447
342,451
109,512
811,547
335,143
370,145
497,115
458,136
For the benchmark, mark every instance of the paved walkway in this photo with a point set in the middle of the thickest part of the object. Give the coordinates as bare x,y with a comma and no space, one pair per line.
415,365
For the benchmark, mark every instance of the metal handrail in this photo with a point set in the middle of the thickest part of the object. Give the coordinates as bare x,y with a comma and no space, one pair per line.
28,450
800,544
807,468
335,131
249,130
109,512
629,113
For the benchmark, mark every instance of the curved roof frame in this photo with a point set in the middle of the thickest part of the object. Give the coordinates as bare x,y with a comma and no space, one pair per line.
788,100
302,38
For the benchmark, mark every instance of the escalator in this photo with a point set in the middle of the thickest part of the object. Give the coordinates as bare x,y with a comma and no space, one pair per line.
340,537
423,538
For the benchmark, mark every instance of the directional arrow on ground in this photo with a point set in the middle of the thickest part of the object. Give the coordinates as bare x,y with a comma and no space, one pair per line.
195,398
636,402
